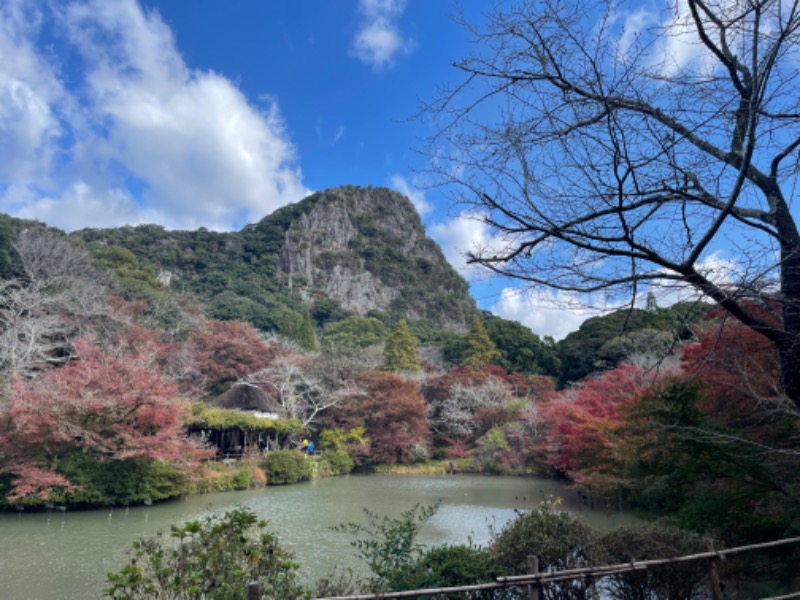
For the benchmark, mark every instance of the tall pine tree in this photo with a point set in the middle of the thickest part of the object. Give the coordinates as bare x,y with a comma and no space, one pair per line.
481,350
306,334
400,352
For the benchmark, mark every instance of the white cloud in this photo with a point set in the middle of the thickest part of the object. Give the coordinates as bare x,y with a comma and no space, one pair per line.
378,40
200,153
104,208
412,192
557,313
30,94
545,313
465,233
340,131
678,47
634,25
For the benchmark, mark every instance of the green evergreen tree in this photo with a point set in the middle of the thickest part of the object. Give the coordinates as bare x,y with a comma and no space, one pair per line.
400,352
481,350
6,239
306,334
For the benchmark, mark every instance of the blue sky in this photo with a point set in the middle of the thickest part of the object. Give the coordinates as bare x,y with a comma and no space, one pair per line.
187,114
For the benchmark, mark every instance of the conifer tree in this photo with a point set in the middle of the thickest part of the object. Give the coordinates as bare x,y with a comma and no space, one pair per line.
481,350
400,352
306,334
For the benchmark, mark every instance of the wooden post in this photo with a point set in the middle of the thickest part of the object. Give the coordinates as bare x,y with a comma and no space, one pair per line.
533,569
713,567
253,591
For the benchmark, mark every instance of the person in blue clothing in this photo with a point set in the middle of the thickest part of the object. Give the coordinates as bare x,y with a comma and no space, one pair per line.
310,448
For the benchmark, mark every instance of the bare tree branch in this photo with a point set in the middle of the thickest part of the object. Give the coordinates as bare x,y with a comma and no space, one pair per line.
608,158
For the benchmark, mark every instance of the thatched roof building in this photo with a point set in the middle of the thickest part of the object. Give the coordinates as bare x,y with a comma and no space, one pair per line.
250,398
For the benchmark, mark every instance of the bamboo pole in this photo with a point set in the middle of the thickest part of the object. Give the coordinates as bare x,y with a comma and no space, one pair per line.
644,564
713,575
533,569
253,591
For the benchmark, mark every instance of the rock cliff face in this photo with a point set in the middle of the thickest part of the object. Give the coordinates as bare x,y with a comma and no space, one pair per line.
366,249
355,249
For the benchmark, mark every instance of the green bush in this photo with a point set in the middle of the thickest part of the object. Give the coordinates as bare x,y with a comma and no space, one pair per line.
218,477
680,581
389,546
108,482
339,461
213,560
450,566
242,480
559,540
287,466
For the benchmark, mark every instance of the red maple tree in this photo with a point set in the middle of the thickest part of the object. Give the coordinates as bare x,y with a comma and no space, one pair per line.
110,407
393,413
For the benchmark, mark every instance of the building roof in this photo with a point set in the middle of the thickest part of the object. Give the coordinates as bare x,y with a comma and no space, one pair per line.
249,397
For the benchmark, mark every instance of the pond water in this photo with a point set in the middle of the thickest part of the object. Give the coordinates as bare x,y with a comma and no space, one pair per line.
65,556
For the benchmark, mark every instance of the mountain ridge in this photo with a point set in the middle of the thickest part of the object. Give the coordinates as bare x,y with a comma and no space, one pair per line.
346,250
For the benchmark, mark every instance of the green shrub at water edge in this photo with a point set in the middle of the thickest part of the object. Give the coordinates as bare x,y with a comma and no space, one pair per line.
100,483
450,566
287,466
214,559
339,461
219,477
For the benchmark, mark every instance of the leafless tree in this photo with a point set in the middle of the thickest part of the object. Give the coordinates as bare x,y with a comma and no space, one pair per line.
455,414
302,387
612,149
56,288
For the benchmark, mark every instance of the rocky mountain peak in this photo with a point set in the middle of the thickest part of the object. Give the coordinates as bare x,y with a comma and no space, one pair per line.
366,249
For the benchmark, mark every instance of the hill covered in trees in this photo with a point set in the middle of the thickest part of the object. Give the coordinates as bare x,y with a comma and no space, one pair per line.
341,252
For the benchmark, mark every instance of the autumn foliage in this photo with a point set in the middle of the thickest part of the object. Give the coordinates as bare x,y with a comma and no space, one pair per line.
228,350
741,366
112,408
586,424
394,415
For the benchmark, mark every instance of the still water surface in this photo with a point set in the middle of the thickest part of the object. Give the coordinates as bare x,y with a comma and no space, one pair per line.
65,556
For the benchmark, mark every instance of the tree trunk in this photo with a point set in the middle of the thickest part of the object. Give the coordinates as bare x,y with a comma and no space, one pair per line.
789,344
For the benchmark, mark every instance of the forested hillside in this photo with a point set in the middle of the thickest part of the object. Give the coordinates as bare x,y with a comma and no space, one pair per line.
341,252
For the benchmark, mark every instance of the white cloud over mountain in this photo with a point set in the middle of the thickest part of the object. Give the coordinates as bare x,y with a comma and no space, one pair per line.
127,132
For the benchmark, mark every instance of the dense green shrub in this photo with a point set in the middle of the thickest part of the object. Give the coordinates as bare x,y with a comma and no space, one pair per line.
354,332
218,477
243,479
680,581
558,539
117,481
339,461
214,560
450,566
287,466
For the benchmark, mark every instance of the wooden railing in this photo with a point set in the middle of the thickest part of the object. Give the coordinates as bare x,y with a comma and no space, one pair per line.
535,580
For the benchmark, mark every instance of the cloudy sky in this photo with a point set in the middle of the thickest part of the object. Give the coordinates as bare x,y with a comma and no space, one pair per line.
183,114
